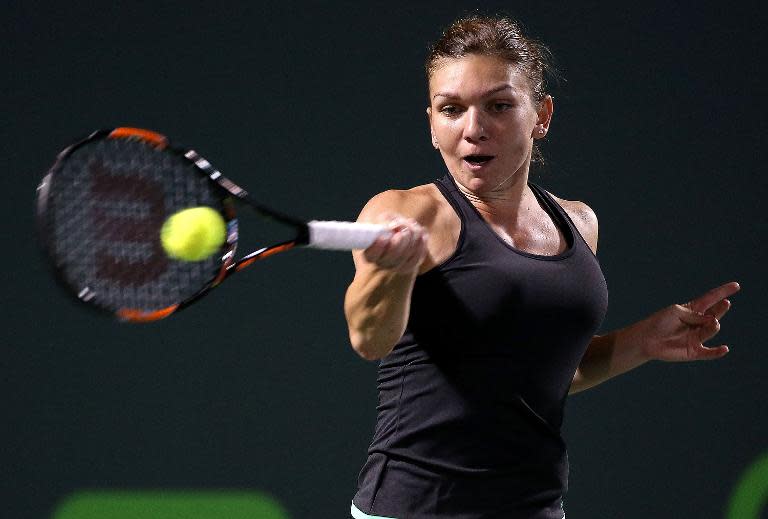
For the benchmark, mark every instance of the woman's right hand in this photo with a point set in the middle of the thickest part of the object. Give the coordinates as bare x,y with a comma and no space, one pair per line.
378,300
401,251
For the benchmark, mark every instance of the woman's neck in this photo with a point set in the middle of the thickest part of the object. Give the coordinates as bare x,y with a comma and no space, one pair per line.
505,201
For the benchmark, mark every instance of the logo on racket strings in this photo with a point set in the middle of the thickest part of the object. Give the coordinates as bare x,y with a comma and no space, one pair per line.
128,211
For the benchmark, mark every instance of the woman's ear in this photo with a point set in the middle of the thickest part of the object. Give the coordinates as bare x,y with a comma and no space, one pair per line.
435,144
544,117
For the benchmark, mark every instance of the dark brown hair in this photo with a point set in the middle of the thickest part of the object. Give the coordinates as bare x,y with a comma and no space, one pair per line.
498,36
502,37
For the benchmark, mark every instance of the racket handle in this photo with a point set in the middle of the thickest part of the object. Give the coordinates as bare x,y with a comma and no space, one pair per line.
343,235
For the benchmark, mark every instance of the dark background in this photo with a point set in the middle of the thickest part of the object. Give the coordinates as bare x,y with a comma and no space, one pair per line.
660,126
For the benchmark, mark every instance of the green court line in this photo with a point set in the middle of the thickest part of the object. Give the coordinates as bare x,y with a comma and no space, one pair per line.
169,504
750,496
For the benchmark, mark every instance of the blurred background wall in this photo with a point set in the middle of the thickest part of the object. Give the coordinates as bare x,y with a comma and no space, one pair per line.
660,126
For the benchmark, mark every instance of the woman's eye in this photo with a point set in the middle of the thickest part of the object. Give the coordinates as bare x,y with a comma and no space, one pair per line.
500,107
449,110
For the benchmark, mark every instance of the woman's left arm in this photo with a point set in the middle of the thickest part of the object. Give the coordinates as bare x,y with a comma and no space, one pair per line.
675,333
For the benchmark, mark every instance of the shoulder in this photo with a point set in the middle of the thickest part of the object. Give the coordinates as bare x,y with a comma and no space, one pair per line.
422,203
584,218
429,208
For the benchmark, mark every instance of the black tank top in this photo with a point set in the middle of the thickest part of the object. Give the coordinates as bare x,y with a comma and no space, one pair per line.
471,398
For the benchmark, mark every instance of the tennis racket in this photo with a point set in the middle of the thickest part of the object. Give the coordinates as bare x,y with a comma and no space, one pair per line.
102,204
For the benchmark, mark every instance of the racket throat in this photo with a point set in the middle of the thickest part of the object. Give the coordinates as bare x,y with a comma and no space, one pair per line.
303,235
263,253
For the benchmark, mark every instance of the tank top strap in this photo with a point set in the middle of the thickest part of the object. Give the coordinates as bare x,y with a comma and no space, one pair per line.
559,214
469,214
461,205
451,192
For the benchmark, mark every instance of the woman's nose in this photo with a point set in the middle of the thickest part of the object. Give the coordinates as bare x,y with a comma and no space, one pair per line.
475,130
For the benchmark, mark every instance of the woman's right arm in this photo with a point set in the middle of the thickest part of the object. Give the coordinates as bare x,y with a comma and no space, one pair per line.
378,300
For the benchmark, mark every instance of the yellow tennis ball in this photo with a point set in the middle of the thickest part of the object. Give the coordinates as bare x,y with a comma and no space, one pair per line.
193,234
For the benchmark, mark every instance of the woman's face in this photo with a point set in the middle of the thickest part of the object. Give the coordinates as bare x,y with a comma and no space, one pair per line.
484,120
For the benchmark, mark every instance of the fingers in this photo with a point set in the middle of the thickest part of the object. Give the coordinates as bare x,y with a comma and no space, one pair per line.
403,250
714,296
692,317
719,309
709,329
707,325
711,353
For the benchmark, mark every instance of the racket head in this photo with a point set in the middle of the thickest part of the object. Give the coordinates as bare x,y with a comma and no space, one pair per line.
100,209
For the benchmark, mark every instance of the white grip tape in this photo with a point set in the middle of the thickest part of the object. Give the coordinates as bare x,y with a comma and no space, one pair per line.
343,235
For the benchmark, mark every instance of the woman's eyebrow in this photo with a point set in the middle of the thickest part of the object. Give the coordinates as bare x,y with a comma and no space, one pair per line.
490,92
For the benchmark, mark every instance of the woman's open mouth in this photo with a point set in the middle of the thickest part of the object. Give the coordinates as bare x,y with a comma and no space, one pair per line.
477,161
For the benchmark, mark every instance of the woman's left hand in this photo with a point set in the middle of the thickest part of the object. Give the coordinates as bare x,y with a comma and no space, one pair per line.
677,333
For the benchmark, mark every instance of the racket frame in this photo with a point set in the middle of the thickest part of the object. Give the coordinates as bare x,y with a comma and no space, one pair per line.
230,191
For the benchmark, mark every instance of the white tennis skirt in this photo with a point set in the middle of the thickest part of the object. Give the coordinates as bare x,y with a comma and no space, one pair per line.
357,514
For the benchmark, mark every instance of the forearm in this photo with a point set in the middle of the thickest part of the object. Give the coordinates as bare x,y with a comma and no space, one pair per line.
376,306
607,356
675,333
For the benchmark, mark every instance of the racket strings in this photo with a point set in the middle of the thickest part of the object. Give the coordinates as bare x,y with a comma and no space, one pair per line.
109,199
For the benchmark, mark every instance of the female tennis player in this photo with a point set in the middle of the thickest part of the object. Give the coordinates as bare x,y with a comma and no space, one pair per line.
484,302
